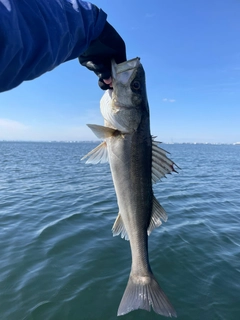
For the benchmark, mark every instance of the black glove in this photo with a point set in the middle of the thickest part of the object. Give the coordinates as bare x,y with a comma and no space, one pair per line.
109,45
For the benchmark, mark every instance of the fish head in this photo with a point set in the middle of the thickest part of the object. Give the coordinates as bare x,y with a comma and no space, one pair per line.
125,105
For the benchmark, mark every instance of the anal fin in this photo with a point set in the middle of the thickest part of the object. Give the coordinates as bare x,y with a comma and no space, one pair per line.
119,228
158,215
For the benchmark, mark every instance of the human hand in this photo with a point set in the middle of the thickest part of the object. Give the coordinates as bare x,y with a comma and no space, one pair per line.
97,58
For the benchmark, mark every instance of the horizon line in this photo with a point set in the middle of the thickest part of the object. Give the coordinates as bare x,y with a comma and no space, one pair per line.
95,141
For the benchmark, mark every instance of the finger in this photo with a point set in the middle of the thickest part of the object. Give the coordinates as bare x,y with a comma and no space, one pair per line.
98,68
108,81
103,85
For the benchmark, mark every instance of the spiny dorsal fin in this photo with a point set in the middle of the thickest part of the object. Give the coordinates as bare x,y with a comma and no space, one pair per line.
161,164
98,154
119,228
158,214
101,132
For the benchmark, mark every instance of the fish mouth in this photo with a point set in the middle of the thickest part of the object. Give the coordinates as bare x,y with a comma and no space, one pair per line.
122,72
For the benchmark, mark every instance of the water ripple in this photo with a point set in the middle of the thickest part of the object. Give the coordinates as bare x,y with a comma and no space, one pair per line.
60,261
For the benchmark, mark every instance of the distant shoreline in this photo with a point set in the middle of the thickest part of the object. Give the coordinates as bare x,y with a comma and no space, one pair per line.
97,141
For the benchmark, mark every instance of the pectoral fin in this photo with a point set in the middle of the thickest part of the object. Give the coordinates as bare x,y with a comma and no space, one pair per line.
158,214
98,154
101,132
119,228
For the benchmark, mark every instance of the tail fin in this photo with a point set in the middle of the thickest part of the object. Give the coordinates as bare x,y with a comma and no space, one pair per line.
142,293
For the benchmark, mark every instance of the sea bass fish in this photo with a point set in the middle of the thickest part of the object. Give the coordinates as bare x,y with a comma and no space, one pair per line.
136,162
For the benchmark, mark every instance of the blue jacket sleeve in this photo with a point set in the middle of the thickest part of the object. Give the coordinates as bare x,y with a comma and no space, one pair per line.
38,35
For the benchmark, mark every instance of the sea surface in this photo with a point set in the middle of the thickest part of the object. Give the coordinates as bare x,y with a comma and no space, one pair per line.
59,260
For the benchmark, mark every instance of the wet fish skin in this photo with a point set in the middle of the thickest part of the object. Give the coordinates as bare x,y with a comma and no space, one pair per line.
132,154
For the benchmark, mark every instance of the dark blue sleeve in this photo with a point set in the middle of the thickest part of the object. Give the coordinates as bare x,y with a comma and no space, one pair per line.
38,35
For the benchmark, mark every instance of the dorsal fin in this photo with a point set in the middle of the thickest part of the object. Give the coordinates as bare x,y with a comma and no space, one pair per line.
158,214
161,164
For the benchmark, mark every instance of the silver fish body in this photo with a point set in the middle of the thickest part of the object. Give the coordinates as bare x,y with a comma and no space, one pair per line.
136,162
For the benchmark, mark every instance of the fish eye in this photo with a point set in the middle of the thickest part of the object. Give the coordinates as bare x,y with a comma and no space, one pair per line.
136,85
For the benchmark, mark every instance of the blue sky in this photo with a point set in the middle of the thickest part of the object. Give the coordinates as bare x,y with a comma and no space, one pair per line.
190,51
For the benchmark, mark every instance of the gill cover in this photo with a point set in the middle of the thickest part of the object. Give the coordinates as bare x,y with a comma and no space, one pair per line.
119,107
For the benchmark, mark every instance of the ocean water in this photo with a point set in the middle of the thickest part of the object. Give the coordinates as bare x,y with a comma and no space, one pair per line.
59,261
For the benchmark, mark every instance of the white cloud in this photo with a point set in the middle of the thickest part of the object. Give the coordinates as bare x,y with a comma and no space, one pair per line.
11,125
11,129
168,100
14,130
